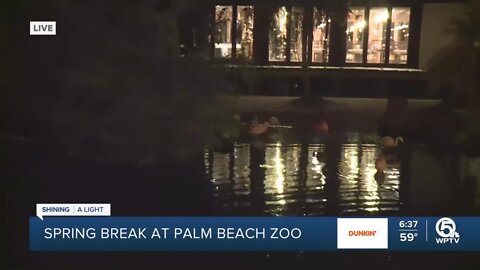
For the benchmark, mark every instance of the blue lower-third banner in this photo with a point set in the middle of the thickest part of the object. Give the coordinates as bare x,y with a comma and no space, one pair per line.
254,233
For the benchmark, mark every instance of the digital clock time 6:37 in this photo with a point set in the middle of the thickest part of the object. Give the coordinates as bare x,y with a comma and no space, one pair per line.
408,223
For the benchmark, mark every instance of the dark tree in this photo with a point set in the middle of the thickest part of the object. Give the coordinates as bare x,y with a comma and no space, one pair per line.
111,85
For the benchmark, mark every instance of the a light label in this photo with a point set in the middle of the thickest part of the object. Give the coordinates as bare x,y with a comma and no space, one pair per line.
72,209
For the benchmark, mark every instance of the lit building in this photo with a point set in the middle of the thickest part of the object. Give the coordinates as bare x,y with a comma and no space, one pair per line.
380,45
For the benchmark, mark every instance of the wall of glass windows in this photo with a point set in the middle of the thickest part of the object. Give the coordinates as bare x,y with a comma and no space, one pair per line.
376,35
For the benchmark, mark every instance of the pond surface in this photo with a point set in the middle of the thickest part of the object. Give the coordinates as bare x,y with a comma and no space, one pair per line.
285,178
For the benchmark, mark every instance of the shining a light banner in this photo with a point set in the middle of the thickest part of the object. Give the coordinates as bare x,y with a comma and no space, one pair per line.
107,233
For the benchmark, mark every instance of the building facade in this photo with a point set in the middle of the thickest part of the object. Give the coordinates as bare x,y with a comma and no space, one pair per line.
317,44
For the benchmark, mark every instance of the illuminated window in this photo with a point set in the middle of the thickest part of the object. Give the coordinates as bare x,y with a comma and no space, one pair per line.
233,36
278,36
355,34
321,34
296,30
399,35
223,31
244,37
286,24
386,39
377,35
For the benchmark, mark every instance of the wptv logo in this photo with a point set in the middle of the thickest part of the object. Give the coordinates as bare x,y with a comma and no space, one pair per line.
447,230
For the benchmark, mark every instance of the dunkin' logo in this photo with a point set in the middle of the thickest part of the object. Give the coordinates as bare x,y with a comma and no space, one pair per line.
362,233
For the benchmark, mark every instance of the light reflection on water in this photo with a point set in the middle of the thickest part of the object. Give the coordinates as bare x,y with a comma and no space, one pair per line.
358,189
302,179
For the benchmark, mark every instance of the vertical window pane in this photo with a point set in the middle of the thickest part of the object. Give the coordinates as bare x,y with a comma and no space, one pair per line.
377,31
321,35
244,26
399,35
223,31
355,32
278,36
296,31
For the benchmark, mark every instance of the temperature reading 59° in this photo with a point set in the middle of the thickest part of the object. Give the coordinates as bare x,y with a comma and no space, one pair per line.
408,237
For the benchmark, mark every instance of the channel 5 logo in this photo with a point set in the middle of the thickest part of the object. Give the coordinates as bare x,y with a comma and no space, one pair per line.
447,230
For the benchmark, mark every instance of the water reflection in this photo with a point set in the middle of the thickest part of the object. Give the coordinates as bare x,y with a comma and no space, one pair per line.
292,179
359,191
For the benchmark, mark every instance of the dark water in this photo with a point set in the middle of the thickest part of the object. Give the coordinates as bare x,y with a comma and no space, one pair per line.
287,178
262,177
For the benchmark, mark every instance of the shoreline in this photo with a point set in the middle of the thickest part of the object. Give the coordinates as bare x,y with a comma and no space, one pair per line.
359,114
